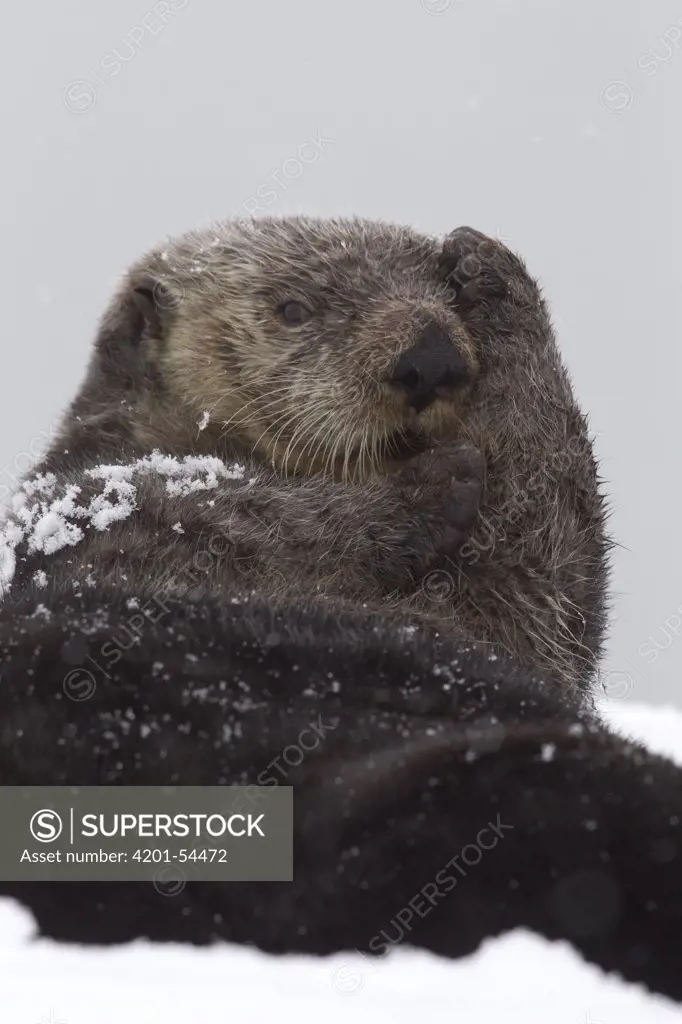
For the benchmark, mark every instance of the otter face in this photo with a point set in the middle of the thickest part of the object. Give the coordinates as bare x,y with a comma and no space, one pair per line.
323,346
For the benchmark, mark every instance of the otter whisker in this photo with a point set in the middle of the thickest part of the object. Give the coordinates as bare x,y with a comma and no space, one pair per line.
274,441
359,470
266,400
348,450
309,418
300,433
331,451
315,436
324,439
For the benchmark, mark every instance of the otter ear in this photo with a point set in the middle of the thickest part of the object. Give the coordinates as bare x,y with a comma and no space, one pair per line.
144,297
136,323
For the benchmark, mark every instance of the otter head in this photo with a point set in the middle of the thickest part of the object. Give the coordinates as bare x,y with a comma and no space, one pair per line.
329,346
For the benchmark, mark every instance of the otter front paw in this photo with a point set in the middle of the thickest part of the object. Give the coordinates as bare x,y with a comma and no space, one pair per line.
445,489
482,271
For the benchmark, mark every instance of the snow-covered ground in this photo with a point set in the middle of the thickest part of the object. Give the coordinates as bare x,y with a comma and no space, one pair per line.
517,978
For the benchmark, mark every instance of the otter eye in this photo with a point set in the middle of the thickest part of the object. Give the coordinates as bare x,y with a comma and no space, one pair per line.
294,313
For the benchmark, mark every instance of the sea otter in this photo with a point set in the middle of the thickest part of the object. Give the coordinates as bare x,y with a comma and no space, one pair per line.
403,430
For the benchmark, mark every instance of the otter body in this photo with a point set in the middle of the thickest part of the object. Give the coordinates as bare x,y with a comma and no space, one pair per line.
445,796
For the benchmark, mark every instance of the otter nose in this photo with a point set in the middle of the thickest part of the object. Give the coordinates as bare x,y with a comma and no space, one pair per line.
432,364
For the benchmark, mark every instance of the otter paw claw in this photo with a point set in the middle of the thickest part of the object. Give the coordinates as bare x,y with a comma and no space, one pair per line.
466,468
477,267
449,483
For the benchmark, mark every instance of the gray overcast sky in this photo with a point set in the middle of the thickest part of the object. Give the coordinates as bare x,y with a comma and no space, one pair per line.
555,123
